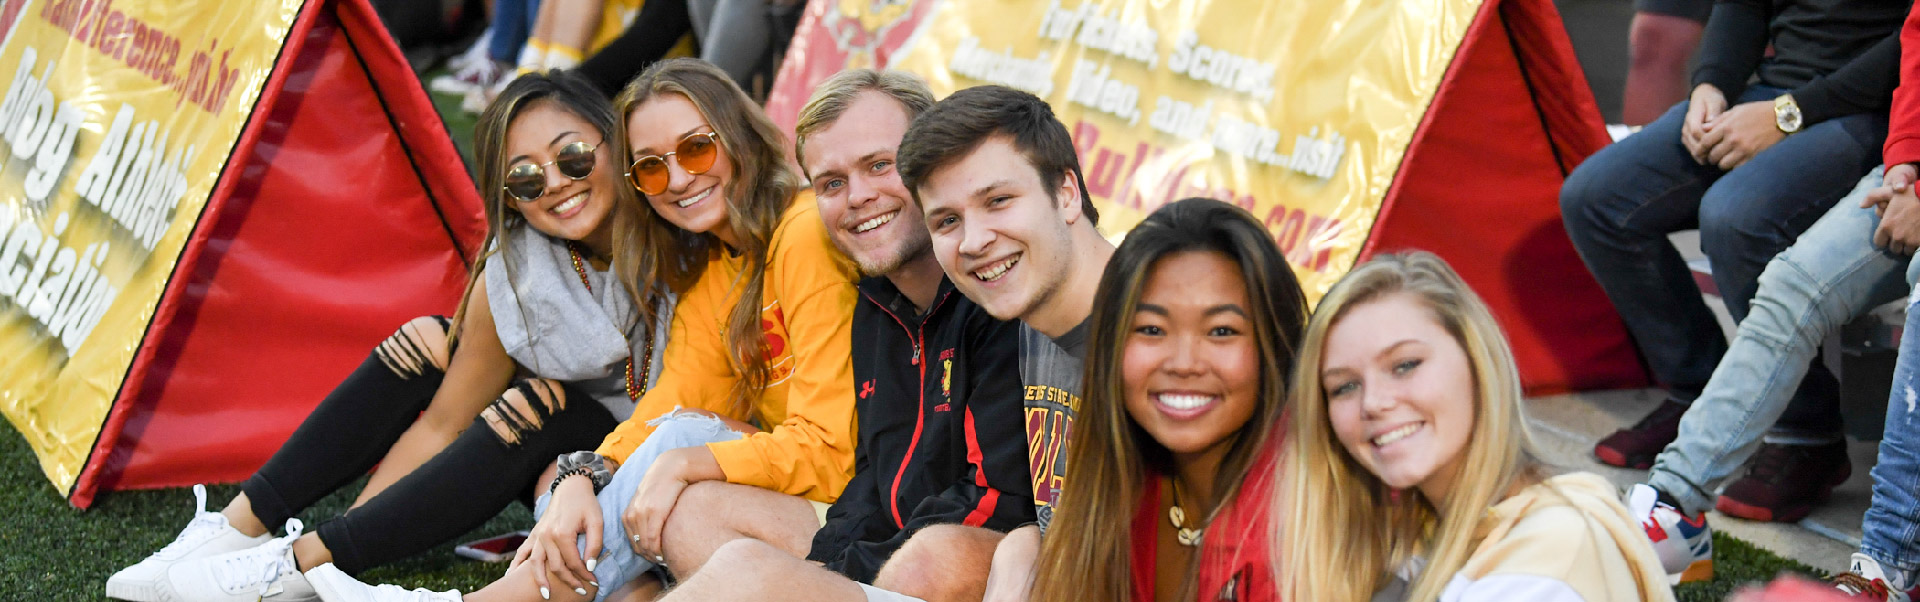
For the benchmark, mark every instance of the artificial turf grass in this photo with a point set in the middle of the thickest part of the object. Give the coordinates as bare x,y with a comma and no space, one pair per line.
51,551
1737,563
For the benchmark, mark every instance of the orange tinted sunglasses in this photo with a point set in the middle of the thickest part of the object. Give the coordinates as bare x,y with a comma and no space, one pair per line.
695,154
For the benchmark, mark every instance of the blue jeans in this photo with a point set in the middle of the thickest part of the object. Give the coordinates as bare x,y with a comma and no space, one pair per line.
1831,276
1890,531
618,564
1620,205
512,24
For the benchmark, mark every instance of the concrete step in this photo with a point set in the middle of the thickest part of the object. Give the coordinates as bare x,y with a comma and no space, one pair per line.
1566,427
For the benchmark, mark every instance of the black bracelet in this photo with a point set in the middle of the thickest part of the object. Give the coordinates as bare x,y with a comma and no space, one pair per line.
577,471
590,464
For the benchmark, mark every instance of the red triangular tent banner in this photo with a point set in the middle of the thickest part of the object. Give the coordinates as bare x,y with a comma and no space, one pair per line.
334,208
345,212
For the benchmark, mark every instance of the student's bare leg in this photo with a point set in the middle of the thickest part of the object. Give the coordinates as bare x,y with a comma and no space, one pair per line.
646,589
1011,579
750,569
942,563
711,513
518,585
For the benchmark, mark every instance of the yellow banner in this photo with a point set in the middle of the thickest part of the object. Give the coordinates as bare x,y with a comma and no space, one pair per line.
1298,110
117,120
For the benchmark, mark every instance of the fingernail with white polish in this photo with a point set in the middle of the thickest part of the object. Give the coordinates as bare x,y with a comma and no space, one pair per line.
591,562
543,594
580,590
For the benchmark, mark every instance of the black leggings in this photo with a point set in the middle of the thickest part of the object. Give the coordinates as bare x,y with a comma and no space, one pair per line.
487,467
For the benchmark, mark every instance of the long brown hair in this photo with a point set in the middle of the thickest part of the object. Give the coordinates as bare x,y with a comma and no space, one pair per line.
1087,554
1339,527
574,95
762,187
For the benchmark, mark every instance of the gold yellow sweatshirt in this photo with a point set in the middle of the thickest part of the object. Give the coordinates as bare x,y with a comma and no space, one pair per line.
808,405
1567,538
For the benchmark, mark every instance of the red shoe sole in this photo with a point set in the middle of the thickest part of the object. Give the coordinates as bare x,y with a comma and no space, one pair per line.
1733,507
1612,457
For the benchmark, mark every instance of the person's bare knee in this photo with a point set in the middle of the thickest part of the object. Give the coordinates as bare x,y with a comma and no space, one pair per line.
741,562
696,528
418,345
750,569
643,589
710,514
941,563
524,409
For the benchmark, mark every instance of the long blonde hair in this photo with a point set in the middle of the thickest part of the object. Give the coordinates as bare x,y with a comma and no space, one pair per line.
1087,552
760,191
1339,531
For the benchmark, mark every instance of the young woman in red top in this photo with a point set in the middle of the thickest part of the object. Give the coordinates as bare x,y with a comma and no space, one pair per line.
1192,337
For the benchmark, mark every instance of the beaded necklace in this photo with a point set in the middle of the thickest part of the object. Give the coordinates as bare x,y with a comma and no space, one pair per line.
635,388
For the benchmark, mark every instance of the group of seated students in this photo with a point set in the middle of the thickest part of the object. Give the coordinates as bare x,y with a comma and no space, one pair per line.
916,372
1795,158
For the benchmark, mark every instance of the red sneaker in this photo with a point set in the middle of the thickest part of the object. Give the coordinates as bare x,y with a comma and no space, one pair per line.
1635,446
1785,482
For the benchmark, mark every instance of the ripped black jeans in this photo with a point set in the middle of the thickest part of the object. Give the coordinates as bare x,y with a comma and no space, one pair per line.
490,465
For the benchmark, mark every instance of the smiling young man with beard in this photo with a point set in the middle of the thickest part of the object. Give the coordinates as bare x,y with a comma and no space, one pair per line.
940,438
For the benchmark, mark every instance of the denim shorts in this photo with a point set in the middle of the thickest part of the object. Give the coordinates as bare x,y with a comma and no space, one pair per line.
618,563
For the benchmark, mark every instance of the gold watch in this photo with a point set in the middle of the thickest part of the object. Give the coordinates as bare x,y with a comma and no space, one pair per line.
1786,114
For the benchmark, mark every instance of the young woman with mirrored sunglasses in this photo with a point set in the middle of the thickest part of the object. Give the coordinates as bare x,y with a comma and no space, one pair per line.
547,352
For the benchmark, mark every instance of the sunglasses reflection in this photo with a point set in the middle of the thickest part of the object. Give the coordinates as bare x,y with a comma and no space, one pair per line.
527,182
695,154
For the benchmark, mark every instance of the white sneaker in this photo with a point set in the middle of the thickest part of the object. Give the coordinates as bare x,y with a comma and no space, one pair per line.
208,534
1684,544
476,52
477,75
1865,579
476,101
267,572
336,586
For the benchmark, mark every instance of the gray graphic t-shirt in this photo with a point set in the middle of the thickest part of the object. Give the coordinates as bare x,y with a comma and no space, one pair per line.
1051,368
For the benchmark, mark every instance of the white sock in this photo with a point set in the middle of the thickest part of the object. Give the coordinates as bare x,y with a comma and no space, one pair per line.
562,57
532,56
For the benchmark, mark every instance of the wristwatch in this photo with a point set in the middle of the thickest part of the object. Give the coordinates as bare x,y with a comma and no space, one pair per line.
1786,114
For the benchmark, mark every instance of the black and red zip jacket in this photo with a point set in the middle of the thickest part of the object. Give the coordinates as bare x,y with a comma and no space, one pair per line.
942,432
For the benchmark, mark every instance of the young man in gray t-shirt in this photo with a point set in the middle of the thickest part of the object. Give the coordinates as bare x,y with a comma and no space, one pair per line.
1000,184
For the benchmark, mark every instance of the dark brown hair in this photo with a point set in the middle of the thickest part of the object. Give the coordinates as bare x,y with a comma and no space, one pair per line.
954,127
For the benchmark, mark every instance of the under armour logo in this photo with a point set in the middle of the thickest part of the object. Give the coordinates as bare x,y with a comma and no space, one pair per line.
866,389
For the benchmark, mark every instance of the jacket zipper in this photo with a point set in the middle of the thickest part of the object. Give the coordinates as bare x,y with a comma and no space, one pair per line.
920,410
